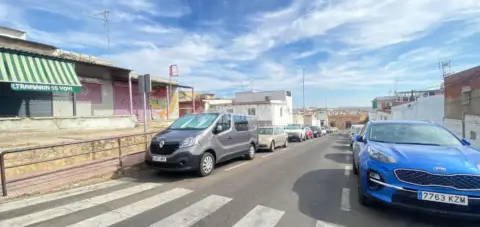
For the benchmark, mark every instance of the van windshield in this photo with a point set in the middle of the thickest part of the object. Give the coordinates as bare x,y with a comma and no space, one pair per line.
194,121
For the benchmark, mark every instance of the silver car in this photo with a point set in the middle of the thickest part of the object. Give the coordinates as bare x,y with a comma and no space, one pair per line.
196,142
271,138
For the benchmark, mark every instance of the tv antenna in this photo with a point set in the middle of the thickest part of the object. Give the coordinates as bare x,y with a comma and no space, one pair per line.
104,16
445,68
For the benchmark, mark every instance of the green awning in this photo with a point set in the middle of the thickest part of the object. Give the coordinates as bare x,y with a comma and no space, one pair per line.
29,72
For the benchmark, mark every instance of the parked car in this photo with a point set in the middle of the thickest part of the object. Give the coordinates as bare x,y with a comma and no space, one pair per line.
308,133
354,131
417,164
271,138
295,132
317,131
324,131
198,141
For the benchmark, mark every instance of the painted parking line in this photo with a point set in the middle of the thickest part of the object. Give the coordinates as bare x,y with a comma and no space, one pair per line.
274,153
348,169
260,216
321,223
345,201
194,213
236,166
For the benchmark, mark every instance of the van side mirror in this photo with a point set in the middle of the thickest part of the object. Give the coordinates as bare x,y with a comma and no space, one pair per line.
359,138
218,129
465,142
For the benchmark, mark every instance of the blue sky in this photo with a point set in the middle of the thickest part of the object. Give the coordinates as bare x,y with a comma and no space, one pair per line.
350,50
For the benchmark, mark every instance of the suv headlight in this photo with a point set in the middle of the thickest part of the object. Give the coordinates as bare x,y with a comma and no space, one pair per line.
379,156
189,141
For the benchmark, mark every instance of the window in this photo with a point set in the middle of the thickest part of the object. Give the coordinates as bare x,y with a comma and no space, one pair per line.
225,122
241,123
466,97
251,111
289,93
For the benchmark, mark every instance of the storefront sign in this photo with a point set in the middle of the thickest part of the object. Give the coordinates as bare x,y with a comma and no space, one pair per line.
44,87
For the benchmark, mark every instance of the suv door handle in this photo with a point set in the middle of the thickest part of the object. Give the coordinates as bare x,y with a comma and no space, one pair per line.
229,137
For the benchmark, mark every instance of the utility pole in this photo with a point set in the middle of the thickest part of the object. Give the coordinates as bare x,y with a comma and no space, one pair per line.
303,82
104,16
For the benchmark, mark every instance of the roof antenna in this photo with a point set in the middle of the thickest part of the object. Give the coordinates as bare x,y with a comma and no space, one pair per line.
104,16
445,68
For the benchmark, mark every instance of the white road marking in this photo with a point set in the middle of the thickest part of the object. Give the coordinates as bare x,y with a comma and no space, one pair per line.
345,202
194,213
236,166
348,170
260,216
75,206
55,196
130,210
326,224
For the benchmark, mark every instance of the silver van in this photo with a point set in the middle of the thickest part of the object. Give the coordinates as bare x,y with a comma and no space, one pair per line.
196,142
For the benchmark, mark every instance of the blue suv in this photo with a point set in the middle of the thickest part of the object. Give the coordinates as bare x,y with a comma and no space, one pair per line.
418,165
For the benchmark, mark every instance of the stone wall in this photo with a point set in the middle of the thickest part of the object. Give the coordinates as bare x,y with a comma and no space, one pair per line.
42,161
58,123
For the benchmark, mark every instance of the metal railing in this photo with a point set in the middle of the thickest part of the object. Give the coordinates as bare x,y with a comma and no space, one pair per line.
119,147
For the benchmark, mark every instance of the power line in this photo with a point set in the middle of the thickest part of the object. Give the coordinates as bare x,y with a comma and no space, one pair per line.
104,16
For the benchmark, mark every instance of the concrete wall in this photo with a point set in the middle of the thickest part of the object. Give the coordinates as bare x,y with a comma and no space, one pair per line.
62,104
472,129
58,123
429,108
454,125
105,108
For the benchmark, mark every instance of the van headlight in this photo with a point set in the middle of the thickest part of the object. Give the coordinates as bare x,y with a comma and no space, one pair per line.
189,141
379,156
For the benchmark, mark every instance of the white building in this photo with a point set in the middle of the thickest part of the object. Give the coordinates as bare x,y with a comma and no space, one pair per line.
430,108
270,107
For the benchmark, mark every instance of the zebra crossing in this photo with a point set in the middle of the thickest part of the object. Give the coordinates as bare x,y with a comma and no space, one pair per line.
187,216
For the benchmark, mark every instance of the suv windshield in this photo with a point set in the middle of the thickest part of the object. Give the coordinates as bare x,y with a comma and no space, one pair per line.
265,131
194,121
293,127
412,134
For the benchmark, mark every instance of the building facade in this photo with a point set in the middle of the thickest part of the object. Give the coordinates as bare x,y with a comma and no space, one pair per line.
71,90
269,107
462,104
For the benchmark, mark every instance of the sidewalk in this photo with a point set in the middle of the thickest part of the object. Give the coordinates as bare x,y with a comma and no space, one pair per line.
9,140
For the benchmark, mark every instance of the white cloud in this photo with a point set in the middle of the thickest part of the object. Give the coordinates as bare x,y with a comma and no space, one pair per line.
190,52
158,29
366,24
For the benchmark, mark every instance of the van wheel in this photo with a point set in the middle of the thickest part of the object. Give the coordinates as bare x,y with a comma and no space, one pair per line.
207,164
251,152
272,146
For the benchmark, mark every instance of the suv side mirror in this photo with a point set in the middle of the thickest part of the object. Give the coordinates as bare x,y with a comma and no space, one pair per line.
465,142
359,138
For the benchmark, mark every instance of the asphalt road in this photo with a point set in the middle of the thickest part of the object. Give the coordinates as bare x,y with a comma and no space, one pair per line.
306,184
